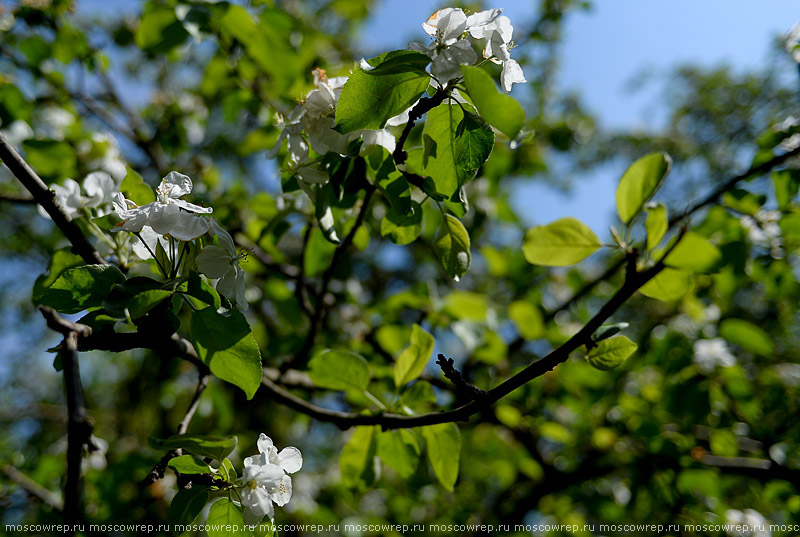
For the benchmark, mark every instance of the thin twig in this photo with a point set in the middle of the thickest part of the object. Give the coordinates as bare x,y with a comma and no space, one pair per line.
32,487
158,470
299,359
45,197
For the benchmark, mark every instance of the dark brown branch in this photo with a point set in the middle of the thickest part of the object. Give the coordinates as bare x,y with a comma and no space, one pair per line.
44,197
454,376
79,426
32,487
345,420
420,109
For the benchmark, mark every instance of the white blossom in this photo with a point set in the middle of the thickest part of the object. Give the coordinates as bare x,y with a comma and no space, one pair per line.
265,479
709,353
222,263
168,214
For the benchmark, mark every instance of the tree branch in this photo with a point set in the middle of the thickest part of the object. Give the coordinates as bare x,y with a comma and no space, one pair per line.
301,357
158,470
32,487
345,420
44,197
79,426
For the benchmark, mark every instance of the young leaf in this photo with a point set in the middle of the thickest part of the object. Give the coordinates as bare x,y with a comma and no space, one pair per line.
136,190
356,458
224,519
444,451
400,450
79,288
187,464
499,110
527,319
747,336
694,253
456,143
185,506
369,98
452,247
610,353
61,261
392,184
639,183
563,242
339,370
787,183
202,446
414,358
227,346
418,397
656,224
668,285
402,229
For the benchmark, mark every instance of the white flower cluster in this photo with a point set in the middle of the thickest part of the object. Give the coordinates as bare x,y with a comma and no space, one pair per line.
763,230
266,481
311,124
170,217
450,49
96,193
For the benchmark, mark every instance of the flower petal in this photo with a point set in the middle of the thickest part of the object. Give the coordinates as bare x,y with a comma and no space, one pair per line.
512,74
192,208
290,459
258,502
213,261
283,492
175,185
188,227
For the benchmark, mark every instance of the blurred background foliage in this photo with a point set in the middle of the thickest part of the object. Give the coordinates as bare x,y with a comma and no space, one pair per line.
698,427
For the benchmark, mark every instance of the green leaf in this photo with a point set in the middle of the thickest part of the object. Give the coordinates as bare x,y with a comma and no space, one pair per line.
227,468
456,143
79,288
391,183
324,213
452,247
610,353
527,319
466,305
61,261
639,183
200,289
668,285
370,98
418,396
159,29
414,358
444,451
188,464
563,242
402,229
400,450
50,159
787,183
224,519
723,442
185,506
747,336
608,330
355,461
656,225
120,297
200,445
743,201
339,370
136,190
227,346
694,253
499,110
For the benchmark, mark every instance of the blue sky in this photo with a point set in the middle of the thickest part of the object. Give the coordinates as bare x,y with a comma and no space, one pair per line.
603,50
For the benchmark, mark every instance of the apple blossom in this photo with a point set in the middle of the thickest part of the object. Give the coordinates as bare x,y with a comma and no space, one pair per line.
168,215
265,479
